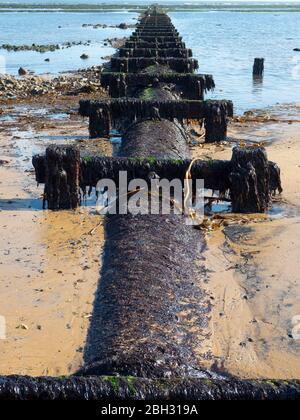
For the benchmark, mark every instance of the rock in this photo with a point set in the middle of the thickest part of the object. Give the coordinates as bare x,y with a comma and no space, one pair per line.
47,59
123,26
3,162
84,56
13,87
22,327
22,71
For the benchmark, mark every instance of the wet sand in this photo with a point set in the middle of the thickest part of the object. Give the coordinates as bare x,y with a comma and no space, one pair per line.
253,264
50,262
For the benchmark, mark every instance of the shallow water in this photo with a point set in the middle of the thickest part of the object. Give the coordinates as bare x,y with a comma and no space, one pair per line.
224,42
58,28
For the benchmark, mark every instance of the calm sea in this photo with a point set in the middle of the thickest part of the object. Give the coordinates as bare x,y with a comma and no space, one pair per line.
225,42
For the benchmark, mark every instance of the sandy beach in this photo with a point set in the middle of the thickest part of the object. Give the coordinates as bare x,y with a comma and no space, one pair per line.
50,262
253,263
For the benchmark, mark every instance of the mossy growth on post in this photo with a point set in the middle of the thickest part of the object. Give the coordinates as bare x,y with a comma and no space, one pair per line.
250,180
62,178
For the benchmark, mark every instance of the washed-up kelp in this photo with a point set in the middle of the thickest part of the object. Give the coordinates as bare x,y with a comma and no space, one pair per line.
155,52
103,388
191,86
135,64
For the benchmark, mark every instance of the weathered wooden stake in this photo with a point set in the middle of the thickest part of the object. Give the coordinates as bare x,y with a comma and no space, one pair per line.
99,124
258,66
216,121
250,190
62,173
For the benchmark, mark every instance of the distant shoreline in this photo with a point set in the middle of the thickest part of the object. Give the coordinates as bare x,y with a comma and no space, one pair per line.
134,7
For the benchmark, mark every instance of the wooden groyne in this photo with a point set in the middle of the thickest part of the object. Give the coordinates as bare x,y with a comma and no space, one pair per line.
151,313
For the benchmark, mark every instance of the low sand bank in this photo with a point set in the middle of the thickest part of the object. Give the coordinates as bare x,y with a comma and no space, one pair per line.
50,262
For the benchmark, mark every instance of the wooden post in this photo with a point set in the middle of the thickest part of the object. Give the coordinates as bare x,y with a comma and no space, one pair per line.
62,178
99,124
250,190
258,67
216,120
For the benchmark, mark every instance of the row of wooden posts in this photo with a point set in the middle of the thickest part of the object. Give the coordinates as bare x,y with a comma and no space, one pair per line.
150,78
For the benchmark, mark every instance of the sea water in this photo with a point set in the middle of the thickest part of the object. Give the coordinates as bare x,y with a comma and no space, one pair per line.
225,41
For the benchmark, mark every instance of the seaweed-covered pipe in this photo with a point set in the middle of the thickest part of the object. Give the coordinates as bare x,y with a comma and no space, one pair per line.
105,388
151,313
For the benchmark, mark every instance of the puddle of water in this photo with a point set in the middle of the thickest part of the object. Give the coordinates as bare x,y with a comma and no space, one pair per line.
7,118
283,210
58,116
221,207
62,137
115,140
17,204
25,111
